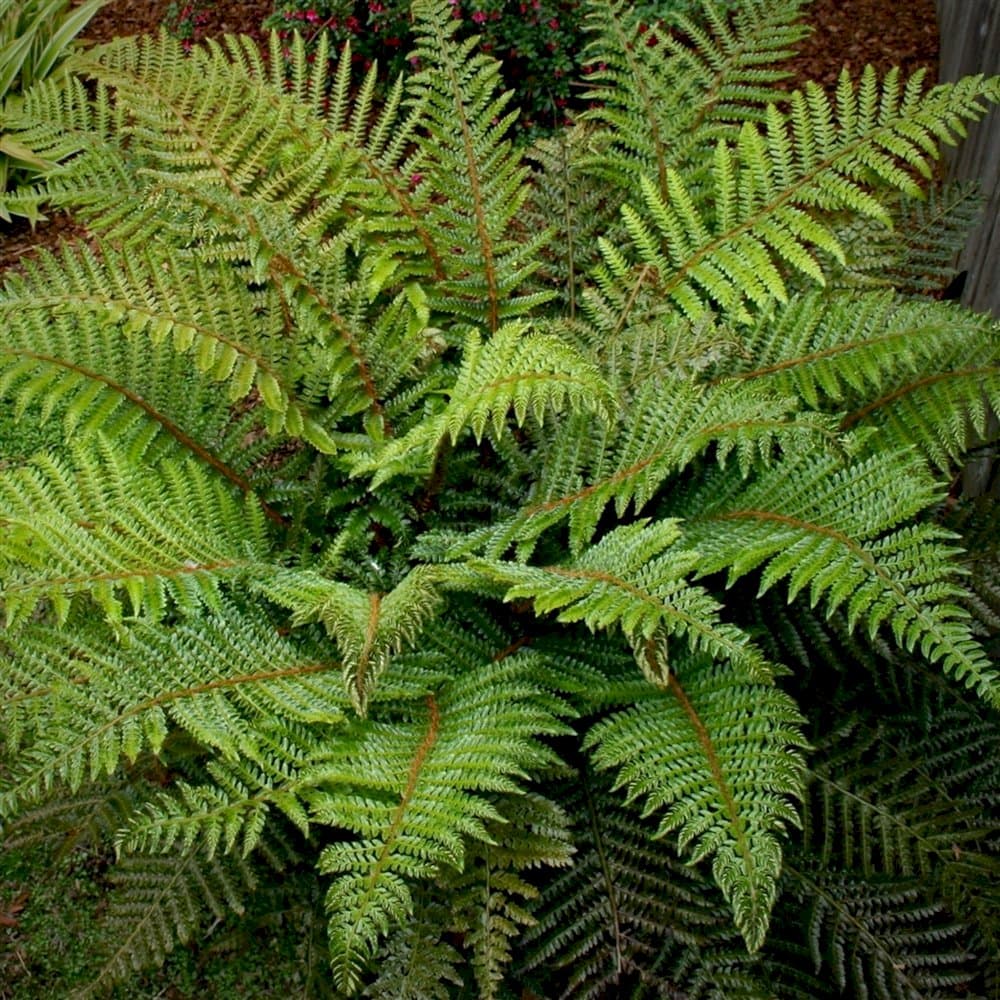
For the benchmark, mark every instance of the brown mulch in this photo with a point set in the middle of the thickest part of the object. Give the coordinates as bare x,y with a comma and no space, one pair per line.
853,33
845,32
137,17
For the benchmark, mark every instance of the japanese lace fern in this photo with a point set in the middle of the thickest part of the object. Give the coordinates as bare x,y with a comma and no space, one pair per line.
488,539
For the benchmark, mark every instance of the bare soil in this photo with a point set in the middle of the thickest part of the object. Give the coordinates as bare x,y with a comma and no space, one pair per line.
847,33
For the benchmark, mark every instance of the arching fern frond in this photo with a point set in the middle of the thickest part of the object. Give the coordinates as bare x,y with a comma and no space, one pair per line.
414,788
80,706
606,921
719,755
699,77
531,374
491,897
838,350
477,179
761,212
232,336
112,531
417,962
881,936
918,255
940,415
634,578
842,533
666,422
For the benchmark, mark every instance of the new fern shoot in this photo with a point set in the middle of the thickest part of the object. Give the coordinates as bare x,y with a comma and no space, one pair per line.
545,559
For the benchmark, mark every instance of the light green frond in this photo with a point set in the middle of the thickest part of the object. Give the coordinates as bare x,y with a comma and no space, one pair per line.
761,214
844,349
532,374
115,532
720,756
230,335
940,415
79,705
231,812
250,182
418,962
634,578
414,790
843,533
665,423
368,627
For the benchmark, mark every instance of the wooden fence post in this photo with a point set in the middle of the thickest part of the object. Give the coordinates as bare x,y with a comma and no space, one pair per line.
970,43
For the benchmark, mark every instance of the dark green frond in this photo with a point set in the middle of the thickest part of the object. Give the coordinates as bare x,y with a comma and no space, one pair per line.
664,96
918,255
606,921
157,903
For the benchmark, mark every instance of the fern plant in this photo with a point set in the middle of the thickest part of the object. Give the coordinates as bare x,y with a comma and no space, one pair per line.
554,559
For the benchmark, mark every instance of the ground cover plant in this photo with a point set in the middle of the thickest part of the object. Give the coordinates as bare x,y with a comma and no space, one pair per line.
35,37
541,571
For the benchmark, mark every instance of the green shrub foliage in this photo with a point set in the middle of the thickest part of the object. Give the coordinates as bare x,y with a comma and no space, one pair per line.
553,556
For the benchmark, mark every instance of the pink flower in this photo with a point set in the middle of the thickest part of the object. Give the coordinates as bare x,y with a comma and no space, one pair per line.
311,16
554,24
479,17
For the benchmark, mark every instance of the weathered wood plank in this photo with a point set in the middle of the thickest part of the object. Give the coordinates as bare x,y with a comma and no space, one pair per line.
970,43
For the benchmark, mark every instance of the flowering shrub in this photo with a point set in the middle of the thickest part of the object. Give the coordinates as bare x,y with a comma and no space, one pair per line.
185,20
541,43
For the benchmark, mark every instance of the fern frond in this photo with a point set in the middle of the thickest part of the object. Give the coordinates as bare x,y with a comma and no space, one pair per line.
841,349
111,531
634,578
882,936
531,374
232,336
666,423
665,96
940,415
414,790
842,533
490,898
577,208
477,178
80,706
762,210
923,373
917,256
231,812
252,182
416,962
157,903
606,921
718,754
369,628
